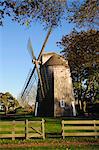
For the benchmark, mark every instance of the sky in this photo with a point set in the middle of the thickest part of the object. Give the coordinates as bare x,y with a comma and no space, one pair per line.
15,60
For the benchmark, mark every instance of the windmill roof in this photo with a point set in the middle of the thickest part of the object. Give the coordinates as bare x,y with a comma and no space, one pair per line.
48,53
56,60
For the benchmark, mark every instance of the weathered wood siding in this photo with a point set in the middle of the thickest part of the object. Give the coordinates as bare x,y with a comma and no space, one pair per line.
57,84
63,90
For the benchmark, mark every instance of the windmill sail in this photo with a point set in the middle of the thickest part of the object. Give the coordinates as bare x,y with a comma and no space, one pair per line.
39,57
44,44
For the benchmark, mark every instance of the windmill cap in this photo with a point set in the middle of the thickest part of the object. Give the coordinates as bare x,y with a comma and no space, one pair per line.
56,60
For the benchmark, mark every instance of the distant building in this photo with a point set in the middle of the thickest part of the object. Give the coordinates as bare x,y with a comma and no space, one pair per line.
59,97
1,106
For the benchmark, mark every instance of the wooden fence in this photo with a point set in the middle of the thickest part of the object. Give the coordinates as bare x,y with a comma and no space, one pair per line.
25,129
80,128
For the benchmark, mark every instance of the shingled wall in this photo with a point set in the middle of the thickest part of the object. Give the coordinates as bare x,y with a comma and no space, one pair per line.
60,86
63,91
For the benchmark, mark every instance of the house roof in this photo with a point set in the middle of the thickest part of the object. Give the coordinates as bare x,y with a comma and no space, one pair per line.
56,60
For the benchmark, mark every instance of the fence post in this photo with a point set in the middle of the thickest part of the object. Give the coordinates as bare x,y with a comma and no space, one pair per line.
26,128
43,129
13,130
63,129
95,128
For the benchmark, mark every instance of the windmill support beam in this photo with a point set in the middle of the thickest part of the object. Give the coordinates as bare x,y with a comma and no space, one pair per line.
40,79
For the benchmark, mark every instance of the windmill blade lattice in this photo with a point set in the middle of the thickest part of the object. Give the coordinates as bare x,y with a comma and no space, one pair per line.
36,62
30,49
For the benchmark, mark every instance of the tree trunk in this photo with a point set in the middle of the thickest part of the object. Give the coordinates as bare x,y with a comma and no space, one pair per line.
6,110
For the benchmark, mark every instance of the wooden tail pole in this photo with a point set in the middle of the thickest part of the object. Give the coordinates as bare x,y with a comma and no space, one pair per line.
40,79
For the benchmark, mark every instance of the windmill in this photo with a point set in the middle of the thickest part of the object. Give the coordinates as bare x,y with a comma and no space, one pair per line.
37,62
55,95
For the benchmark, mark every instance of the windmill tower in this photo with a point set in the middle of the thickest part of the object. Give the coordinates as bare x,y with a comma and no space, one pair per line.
55,92
59,97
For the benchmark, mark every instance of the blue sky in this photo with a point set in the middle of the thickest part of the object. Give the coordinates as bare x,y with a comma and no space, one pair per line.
15,60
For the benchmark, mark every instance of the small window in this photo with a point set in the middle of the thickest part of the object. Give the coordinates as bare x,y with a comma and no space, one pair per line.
62,103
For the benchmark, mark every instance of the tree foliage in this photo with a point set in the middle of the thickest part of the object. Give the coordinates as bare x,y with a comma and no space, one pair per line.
50,12
80,48
25,11
84,13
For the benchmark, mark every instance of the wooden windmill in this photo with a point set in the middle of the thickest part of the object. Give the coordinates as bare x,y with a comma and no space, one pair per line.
55,92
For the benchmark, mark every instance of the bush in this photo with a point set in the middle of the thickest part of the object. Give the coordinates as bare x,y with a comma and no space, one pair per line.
21,110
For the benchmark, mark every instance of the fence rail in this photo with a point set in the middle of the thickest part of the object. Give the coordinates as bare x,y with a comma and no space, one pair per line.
80,128
25,129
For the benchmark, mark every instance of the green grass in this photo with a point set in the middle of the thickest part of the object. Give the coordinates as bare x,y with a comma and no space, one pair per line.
49,140
41,148
50,148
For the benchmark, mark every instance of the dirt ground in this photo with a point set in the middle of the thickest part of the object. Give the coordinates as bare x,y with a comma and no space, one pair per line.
44,144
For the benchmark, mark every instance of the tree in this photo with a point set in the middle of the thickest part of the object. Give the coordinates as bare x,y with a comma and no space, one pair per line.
9,102
3,100
26,11
50,12
80,48
84,13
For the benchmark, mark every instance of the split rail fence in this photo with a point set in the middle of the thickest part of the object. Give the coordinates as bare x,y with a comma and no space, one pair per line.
24,129
28,129
80,128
